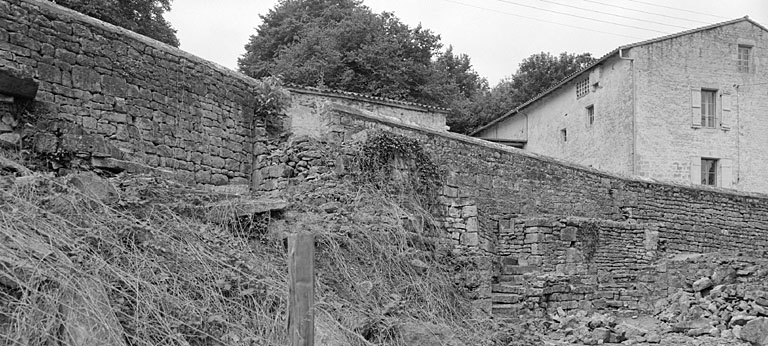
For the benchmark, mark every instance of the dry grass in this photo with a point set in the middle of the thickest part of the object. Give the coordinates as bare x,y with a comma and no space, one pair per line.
152,270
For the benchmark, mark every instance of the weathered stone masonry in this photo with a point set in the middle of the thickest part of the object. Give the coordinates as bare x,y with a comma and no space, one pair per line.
523,216
157,104
493,191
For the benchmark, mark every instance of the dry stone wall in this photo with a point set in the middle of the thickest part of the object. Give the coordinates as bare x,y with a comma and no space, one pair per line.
501,184
491,191
159,105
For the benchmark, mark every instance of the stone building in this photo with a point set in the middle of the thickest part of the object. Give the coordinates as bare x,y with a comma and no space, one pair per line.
687,107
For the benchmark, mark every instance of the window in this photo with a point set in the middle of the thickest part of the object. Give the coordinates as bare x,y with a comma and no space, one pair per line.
564,135
708,107
709,172
582,88
591,114
743,59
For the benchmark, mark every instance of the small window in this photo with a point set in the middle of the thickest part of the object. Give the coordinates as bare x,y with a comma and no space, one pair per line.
591,114
564,135
709,172
582,88
743,60
708,107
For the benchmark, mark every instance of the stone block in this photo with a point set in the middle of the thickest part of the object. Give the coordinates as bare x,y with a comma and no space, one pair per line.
10,139
506,298
470,239
219,179
517,270
531,238
568,233
469,211
472,226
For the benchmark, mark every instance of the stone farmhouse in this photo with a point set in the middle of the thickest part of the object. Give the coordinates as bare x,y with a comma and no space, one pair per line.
688,108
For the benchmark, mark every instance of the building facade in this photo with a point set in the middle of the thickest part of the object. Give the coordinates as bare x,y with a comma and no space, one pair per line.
689,108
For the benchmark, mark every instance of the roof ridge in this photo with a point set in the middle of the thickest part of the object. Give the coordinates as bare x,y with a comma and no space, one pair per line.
366,96
603,58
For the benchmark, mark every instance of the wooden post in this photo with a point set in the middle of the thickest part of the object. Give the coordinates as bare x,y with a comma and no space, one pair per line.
301,289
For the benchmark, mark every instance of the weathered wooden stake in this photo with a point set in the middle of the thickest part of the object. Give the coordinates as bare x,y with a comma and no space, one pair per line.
301,289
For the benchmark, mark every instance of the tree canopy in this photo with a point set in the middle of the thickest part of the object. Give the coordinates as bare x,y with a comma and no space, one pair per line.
342,44
141,16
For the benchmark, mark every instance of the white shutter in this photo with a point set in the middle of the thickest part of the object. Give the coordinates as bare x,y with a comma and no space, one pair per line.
726,173
696,170
725,106
696,107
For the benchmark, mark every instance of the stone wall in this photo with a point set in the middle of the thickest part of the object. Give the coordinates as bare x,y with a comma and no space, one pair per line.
575,263
308,104
489,188
504,183
159,105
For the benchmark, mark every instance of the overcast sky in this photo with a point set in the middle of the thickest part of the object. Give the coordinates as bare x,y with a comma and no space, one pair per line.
496,34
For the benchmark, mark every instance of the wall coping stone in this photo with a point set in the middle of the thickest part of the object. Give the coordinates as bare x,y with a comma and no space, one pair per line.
77,16
50,6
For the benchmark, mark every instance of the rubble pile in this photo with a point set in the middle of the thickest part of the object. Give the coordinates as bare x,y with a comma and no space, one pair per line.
731,301
586,328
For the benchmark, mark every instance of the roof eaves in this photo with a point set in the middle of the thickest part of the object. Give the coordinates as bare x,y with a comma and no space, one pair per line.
546,92
364,97
603,58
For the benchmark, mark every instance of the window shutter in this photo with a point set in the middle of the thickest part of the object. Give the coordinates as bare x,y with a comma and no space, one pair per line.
696,170
726,173
725,117
696,108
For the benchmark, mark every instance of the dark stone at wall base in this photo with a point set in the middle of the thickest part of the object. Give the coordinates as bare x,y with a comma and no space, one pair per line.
13,85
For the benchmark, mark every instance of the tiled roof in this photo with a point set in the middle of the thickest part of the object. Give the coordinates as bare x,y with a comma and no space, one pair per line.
364,97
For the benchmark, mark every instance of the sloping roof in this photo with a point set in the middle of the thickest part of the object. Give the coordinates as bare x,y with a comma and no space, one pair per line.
364,97
605,57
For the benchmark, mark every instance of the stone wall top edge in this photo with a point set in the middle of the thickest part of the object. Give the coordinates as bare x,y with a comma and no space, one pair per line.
368,99
506,149
77,16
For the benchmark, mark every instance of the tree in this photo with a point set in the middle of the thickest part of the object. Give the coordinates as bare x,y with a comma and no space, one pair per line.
341,44
539,72
141,16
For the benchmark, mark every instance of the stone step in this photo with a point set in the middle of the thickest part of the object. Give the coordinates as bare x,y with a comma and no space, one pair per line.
505,309
508,288
513,279
516,269
506,298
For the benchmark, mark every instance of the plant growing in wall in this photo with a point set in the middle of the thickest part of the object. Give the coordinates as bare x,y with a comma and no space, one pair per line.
270,101
399,164
588,235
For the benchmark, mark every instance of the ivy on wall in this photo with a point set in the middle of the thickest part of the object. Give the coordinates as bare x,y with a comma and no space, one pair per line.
394,162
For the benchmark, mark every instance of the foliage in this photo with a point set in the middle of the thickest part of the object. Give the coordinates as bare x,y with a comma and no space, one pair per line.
172,276
142,16
534,75
341,44
540,71
385,157
270,101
